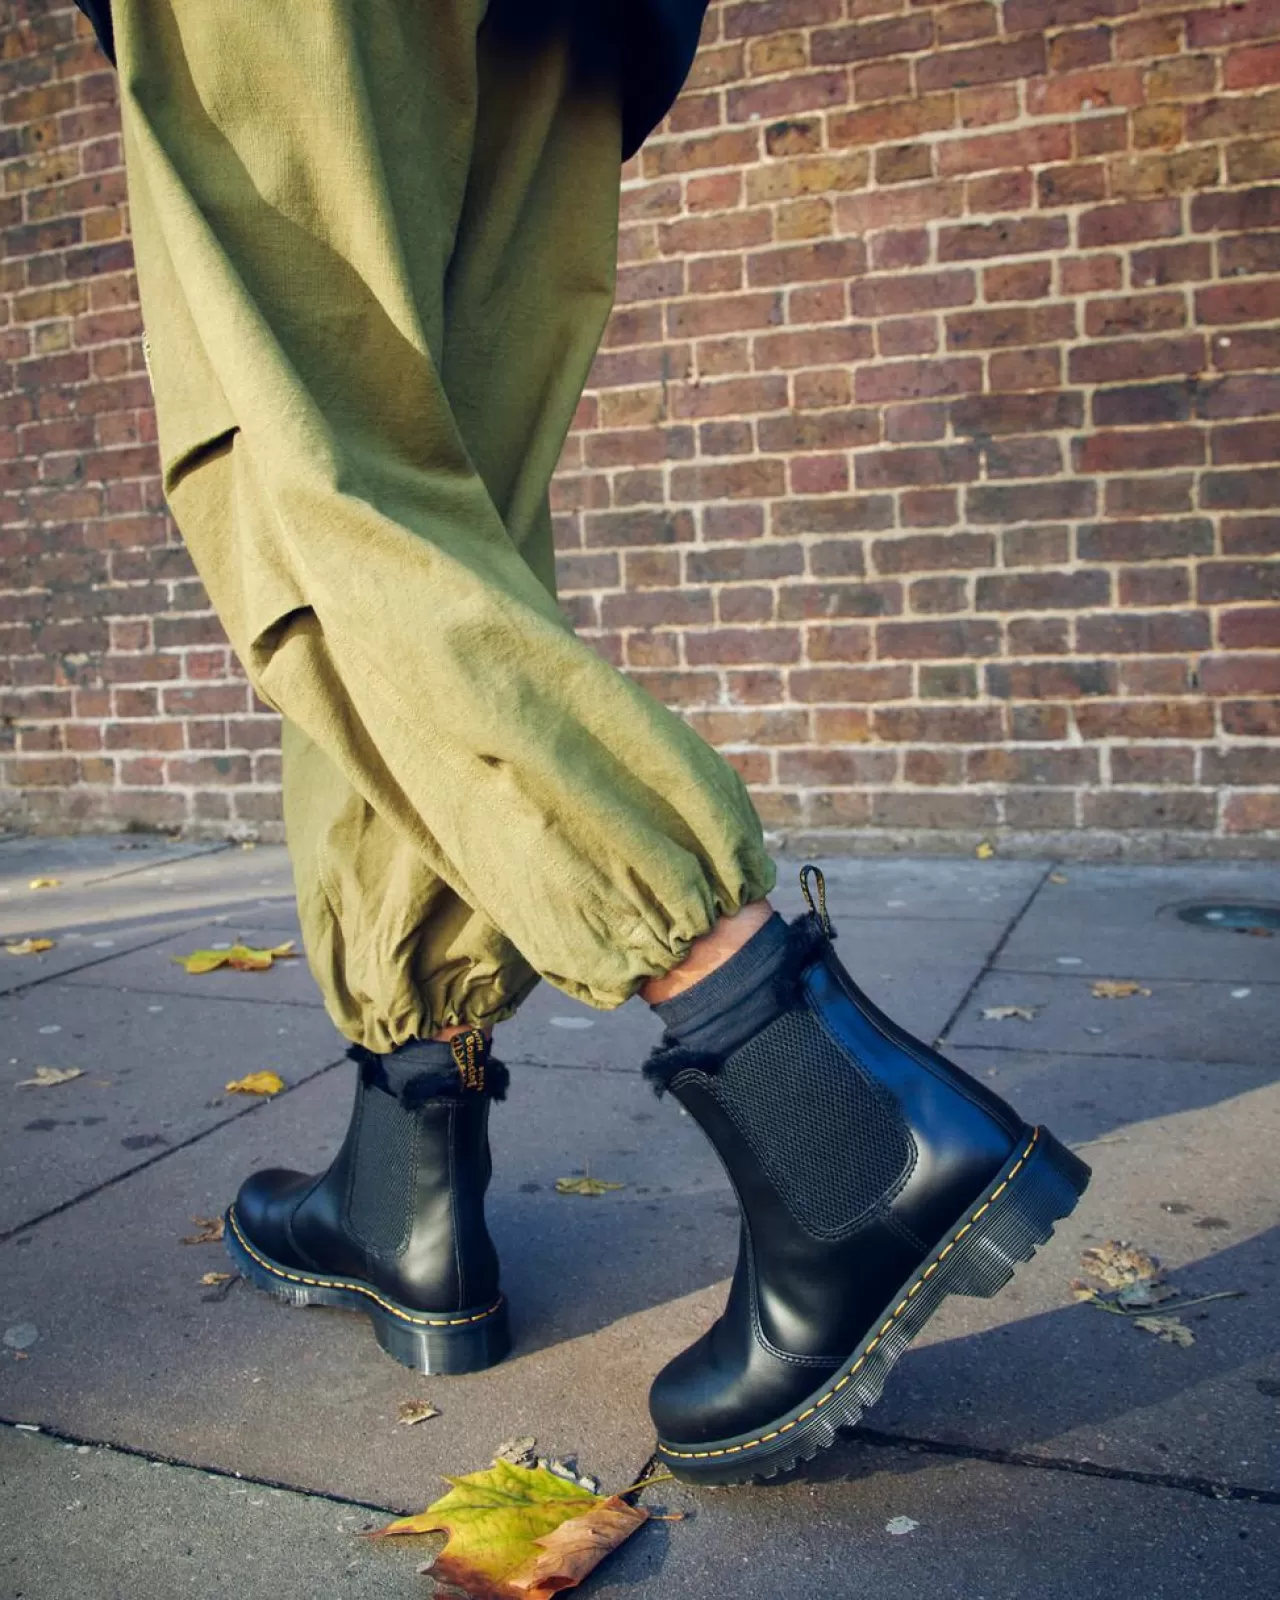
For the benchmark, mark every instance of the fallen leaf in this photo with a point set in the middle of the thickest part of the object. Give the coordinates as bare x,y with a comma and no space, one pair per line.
240,957
46,1077
1006,1013
985,851
257,1083
900,1525
45,883
1058,877
1169,1330
27,947
1117,1263
210,1231
519,1452
576,1548
1117,989
248,844
211,1279
413,1411
503,1524
585,1184
1257,932
1142,1295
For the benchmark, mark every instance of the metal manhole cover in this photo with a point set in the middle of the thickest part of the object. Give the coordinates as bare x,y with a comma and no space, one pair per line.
1240,917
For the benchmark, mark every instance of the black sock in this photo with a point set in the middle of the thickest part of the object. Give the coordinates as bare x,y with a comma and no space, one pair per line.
734,1001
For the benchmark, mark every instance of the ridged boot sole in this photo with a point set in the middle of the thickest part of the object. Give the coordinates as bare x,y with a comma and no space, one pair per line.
1039,1186
429,1342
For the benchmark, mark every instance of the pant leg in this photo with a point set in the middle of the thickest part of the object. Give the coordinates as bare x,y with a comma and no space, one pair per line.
301,183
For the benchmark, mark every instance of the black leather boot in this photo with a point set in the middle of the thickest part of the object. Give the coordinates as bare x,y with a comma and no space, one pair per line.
874,1179
395,1228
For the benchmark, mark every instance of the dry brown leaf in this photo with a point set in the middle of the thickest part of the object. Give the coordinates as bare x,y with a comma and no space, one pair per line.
1058,877
576,1548
1117,1263
212,1279
210,1231
46,1077
1169,1330
1117,989
257,1083
27,947
499,1522
414,1411
45,883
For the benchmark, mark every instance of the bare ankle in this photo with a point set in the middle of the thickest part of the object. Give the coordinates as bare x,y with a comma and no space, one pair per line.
454,1029
712,950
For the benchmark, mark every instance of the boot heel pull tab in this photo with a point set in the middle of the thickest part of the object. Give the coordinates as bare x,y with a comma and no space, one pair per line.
469,1050
819,910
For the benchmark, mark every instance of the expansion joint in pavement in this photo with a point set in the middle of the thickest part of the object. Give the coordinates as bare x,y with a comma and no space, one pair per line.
1187,1483
161,1155
114,1447
993,955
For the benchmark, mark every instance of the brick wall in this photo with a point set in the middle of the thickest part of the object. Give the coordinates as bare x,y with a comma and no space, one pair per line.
931,466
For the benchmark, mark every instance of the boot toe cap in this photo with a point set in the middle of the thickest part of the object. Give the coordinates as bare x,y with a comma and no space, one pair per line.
711,1394
264,1210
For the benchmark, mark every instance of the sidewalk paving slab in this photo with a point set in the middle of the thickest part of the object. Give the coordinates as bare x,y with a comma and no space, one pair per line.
133,1529
1122,922
155,1071
984,1531
155,970
129,1351
1178,1020
1175,1105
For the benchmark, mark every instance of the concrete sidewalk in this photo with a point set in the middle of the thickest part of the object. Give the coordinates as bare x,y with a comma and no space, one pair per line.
200,1442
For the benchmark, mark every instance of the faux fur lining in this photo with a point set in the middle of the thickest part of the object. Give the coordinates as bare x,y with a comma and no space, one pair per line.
444,1083
806,941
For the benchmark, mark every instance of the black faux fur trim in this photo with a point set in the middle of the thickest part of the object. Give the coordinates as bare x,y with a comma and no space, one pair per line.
430,1085
806,939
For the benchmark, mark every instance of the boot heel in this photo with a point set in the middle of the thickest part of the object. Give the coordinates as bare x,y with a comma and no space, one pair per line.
1017,1218
469,1347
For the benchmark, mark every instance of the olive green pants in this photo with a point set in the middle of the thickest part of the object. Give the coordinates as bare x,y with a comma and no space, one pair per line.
375,244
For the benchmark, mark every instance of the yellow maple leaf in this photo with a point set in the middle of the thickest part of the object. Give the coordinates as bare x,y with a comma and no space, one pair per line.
520,1533
257,1083
985,851
585,1184
27,947
240,957
46,1077
1117,989
45,883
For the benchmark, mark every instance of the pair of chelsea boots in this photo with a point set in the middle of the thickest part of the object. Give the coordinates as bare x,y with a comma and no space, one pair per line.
873,1177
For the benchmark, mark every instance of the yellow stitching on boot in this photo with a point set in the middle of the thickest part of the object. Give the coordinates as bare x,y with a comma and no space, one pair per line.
357,1288
699,1455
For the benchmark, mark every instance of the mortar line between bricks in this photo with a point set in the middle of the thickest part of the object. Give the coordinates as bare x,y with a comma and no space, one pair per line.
163,1155
994,954
135,1453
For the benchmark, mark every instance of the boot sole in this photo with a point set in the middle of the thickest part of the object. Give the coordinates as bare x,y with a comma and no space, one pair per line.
1038,1187
438,1343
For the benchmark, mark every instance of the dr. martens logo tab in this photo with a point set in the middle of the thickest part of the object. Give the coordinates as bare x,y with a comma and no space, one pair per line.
469,1052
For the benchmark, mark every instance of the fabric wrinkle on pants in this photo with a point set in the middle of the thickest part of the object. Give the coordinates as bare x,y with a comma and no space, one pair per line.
376,253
